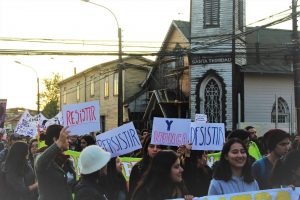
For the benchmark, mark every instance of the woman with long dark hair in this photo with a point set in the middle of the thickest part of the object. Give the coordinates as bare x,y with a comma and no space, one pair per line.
32,147
117,189
286,171
163,179
19,174
149,151
197,174
233,172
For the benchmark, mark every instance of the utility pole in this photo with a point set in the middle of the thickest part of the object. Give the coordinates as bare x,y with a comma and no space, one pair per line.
234,72
296,65
120,64
120,80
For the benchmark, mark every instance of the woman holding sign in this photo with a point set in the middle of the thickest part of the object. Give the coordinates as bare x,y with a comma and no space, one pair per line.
163,179
233,172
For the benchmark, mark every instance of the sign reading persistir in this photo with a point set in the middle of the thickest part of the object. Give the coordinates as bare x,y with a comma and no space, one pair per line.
120,141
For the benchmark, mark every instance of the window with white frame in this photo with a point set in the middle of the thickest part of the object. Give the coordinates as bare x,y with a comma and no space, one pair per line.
106,87
92,86
116,83
78,91
282,111
211,13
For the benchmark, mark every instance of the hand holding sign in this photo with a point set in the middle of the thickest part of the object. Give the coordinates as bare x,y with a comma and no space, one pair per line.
62,141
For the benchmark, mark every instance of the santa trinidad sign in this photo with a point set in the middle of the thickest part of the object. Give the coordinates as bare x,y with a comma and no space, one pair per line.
200,59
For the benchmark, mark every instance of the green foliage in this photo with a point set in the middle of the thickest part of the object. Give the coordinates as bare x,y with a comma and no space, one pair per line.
50,97
51,109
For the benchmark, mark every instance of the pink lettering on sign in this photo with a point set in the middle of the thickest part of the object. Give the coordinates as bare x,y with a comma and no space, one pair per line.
170,138
84,115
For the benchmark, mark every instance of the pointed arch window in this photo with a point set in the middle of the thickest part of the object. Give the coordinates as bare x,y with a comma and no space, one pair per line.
283,111
212,101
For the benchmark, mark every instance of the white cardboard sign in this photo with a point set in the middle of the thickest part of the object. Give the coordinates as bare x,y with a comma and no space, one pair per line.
170,131
27,125
201,118
207,136
82,118
120,141
58,119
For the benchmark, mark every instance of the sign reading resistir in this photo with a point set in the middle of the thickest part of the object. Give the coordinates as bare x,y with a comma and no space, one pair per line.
82,118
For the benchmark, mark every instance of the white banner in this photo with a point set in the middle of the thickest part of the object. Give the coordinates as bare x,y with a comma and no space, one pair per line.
27,125
120,141
58,119
170,131
82,118
207,136
273,194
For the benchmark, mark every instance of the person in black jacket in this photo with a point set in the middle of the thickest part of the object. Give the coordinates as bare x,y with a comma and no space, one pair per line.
149,152
117,186
92,161
197,174
19,176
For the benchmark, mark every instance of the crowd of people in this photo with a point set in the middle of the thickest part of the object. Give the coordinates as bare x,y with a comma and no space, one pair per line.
30,173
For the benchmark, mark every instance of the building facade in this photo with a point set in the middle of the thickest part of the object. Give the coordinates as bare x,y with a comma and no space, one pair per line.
100,83
239,75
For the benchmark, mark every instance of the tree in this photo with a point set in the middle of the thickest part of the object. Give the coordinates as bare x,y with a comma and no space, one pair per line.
50,97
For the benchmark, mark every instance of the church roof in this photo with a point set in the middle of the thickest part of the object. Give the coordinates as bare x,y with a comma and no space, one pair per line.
184,27
267,69
269,51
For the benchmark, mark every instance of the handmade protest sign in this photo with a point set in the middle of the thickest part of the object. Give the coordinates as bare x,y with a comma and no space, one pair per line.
82,118
170,131
201,118
128,163
27,125
207,136
120,141
44,122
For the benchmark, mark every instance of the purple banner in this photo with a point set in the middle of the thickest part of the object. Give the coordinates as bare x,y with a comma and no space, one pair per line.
2,112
